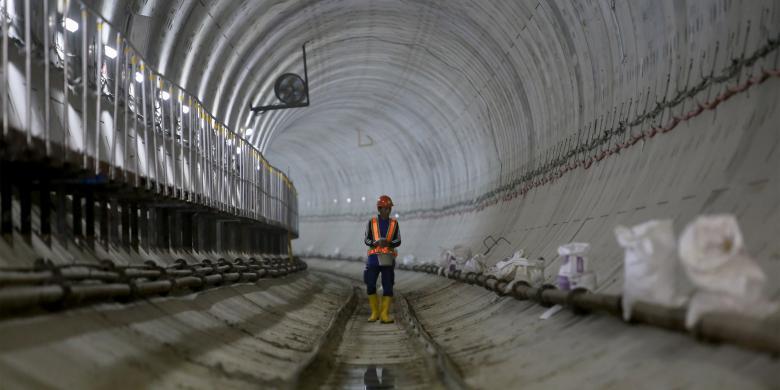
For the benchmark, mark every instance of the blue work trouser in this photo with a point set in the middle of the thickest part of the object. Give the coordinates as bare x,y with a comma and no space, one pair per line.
371,274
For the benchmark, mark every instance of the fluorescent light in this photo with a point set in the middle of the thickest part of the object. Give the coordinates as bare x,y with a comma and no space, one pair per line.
165,95
110,51
185,109
71,25
139,77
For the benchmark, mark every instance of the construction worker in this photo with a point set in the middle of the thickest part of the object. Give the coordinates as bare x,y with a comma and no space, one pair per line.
382,237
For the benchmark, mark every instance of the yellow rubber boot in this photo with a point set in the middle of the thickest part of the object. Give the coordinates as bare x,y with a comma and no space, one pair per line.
373,302
385,315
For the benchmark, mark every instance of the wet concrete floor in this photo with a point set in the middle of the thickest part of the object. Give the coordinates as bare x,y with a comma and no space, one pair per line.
378,356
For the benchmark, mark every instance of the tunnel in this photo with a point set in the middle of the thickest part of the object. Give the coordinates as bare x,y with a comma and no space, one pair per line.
580,194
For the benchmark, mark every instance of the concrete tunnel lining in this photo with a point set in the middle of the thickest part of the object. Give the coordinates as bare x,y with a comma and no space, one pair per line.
459,100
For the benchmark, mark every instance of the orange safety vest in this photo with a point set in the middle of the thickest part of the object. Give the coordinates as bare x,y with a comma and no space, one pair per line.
390,232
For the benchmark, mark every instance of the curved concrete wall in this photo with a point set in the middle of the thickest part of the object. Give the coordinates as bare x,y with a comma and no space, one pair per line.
447,106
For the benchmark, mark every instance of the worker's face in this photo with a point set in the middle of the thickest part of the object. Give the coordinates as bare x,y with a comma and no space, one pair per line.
384,212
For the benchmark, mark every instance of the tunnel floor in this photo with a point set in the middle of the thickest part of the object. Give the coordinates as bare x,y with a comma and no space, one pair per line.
378,356
270,333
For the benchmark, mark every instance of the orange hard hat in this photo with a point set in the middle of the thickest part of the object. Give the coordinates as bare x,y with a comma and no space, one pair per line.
384,201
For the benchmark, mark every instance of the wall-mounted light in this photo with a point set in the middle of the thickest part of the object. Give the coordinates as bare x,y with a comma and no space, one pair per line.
396,215
71,25
139,77
349,200
336,201
185,109
165,95
249,131
238,150
363,199
110,51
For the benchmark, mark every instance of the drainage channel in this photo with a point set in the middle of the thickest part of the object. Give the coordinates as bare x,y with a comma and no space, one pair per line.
372,355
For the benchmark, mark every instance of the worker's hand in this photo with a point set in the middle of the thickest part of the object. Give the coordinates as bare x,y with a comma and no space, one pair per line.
381,243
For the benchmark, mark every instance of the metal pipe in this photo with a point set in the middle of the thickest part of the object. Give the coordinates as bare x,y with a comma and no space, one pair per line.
24,289
46,78
99,90
732,328
4,90
84,87
65,99
153,96
146,127
19,298
115,117
28,71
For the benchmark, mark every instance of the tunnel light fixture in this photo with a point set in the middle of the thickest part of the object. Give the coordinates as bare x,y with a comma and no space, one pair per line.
396,215
71,25
185,109
165,95
139,77
349,200
335,201
238,150
249,131
110,51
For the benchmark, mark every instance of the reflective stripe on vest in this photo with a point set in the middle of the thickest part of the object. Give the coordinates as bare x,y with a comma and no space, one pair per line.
375,233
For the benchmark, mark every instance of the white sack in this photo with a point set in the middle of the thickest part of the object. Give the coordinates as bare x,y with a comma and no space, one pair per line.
725,276
475,264
454,259
650,265
517,268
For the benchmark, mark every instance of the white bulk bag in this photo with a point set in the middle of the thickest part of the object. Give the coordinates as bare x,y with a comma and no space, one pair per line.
475,264
650,265
726,278
408,260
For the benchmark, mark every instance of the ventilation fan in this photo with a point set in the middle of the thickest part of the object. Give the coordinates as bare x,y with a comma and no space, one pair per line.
290,89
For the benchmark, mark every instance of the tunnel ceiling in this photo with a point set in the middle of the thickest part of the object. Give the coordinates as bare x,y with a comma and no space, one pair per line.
430,101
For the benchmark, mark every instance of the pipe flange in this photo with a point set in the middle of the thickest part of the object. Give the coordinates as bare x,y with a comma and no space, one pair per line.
539,291
500,288
180,264
516,294
107,265
570,300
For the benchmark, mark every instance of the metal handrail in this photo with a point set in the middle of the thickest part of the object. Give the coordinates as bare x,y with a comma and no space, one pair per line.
144,128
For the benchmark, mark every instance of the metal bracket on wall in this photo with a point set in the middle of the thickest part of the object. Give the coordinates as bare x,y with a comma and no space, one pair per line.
290,89
493,244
